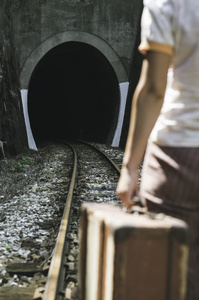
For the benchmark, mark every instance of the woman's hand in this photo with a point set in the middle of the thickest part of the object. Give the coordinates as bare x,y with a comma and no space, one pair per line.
127,186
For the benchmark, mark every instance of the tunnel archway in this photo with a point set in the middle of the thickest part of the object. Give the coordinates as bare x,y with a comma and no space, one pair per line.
74,92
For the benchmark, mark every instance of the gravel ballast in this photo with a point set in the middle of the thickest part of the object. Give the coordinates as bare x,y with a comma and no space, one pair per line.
32,196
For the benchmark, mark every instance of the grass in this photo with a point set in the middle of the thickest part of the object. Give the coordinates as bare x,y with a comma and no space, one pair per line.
21,164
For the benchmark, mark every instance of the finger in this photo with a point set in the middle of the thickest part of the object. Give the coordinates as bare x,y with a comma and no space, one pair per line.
126,199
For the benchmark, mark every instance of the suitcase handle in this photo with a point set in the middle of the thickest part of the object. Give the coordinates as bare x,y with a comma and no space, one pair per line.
139,209
137,206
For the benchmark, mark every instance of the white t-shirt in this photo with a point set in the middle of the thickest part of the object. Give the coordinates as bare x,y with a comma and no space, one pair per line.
172,27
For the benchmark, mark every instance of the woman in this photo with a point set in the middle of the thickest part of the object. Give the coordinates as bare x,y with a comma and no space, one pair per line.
165,120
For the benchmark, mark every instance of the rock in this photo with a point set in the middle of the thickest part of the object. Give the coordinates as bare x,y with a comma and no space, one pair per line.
38,295
71,266
68,294
71,278
25,279
68,291
71,258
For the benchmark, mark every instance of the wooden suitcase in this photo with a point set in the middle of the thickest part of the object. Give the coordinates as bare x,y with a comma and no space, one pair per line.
130,256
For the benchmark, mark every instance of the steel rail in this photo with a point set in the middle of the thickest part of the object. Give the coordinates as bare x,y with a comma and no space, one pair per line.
55,281
100,151
107,157
52,287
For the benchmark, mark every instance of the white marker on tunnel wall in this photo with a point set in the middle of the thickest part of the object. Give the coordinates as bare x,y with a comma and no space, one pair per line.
123,97
31,141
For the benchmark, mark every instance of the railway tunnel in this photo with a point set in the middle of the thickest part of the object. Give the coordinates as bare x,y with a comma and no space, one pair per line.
74,92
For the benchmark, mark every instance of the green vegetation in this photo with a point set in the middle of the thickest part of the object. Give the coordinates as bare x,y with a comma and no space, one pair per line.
21,164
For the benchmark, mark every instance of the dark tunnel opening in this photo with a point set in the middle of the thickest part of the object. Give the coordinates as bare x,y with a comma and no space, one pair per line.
74,93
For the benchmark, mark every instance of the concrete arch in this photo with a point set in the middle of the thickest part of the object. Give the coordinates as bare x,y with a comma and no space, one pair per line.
69,36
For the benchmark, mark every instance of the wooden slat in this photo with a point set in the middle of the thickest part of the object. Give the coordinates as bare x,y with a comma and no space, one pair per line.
17,293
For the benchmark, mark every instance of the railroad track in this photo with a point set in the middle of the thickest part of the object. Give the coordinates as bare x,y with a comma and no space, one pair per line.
94,179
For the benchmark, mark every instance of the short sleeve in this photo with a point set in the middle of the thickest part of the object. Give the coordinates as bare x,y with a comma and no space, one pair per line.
157,26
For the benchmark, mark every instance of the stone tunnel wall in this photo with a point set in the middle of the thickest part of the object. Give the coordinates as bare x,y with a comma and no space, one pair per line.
12,128
114,21
32,23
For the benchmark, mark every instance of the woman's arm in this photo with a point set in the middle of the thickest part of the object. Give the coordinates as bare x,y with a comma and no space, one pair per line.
146,105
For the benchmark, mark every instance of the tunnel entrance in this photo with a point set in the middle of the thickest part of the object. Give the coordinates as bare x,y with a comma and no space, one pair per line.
74,92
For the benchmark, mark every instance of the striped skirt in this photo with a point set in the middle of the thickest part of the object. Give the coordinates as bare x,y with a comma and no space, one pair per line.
170,184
